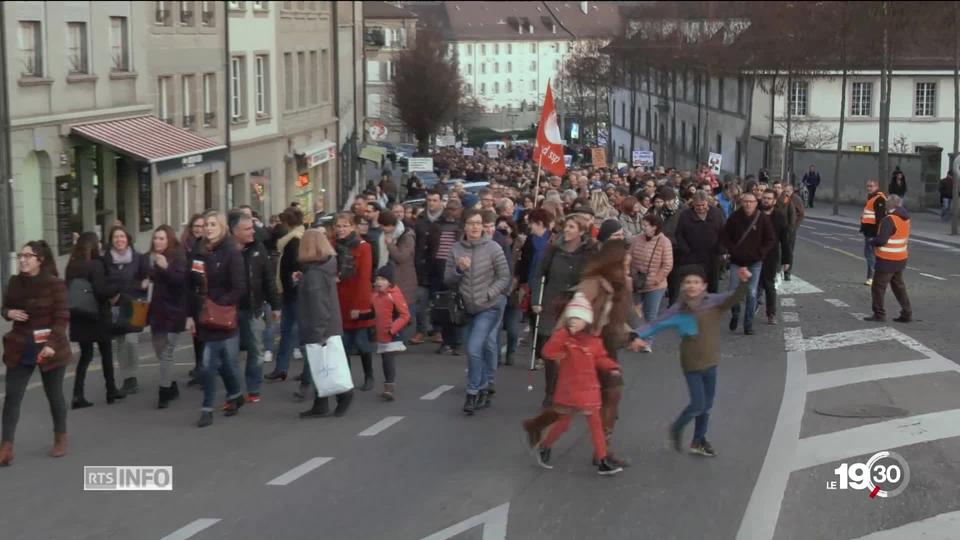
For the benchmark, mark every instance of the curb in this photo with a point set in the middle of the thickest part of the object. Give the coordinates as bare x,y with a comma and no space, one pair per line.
951,242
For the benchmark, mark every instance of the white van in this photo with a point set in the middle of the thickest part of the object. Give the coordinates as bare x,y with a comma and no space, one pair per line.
493,145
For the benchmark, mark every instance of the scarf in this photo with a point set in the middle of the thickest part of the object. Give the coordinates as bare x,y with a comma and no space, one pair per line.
398,232
431,217
540,244
346,267
122,258
296,232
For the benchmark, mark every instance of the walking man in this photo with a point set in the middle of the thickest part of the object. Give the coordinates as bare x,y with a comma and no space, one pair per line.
779,255
890,246
748,236
811,180
873,213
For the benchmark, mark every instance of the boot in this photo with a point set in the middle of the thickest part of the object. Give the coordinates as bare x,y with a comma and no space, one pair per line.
367,383
113,393
130,385
164,398
6,454
483,399
174,391
343,403
321,408
470,405
79,402
59,445
387,394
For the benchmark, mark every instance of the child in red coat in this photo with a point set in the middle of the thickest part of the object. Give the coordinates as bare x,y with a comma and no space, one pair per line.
579,353
390,315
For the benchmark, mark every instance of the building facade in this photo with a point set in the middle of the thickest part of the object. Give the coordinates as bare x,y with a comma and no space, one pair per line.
388,30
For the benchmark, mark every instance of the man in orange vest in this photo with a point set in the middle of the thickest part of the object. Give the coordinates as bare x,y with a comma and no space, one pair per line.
873,212
890,247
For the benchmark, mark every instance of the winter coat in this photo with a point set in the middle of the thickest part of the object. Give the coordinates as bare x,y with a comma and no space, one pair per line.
355,291
632,226
44,298
391,313
168,306
811,179
562,271
698,240
654,257
444,233
488,277
403,254
897,187
261,282
422,230
578,357
318,311
289,248
223,280
884,232
128,278
755,244
780,253
530,258
84,328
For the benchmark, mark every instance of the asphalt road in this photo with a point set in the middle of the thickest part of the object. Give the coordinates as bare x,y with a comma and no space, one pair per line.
417,467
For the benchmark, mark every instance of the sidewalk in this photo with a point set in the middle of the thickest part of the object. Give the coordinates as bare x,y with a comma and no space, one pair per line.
924,224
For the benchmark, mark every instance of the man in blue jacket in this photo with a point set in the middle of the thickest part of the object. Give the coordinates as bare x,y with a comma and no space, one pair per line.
811,180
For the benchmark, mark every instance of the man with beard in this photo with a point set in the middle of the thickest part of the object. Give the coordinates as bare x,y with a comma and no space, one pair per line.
778,254
697,238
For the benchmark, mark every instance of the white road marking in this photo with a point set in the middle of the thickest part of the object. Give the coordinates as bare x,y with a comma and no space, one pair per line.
860,316
437,392
380,426
866,440
790,317
793,339
939,527
857,228
298,471
494,522
191,529
836,302
808,227
797,286
924,274
788,302
876,372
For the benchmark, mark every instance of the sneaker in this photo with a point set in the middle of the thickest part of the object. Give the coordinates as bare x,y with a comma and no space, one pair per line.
267,357
417,339
646,349
772,320
675,439
470,405
605,468
543,458
252,398
702,448
868,282
206,418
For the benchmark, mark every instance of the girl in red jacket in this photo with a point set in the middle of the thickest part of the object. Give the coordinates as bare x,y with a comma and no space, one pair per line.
579,353
391,316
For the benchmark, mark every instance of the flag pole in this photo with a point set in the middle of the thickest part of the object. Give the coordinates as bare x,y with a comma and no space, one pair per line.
536,183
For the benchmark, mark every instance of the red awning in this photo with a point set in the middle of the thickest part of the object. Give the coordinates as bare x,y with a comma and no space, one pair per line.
146,138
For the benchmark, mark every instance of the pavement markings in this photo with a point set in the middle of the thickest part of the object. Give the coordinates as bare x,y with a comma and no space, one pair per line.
790,317
859,316
788,302
191,529
437,392
298,471
856,228
835,302
493,521
924,274
876,372
380,426
797,286
939,527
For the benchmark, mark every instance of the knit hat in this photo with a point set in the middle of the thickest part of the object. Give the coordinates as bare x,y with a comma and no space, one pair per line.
608,228
386,272
579,307
470,200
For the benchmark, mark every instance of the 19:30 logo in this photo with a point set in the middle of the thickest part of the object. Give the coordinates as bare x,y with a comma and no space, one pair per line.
886,474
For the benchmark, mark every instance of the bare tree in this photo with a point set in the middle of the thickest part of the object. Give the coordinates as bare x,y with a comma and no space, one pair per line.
811,134
900,145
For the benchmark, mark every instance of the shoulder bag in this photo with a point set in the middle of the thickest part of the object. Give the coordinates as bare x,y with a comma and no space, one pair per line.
213,315
640,278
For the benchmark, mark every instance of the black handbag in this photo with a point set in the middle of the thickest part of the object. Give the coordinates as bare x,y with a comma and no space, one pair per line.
640,278
447,308
80,298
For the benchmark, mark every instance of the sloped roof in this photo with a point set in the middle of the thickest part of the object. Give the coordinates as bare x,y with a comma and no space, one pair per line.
384,10
504,21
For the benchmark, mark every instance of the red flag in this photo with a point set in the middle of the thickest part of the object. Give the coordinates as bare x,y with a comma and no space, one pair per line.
549,149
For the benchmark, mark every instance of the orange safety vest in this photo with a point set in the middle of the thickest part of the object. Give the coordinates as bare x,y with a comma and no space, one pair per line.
869,215
896,247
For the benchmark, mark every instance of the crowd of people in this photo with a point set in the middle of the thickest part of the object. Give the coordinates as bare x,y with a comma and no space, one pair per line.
585,261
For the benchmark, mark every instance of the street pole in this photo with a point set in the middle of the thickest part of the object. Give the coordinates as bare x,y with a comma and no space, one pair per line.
6,176
955,202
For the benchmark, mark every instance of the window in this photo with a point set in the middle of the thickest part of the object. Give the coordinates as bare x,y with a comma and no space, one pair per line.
373,105
288,103
533,85
509,67
496,67
798,98
496,87
739,98
162,14
187,92
186,13
31,49
719,143
533,48
925,99
683,136
373,71
720,82
174,201
469,69
861,148
569,46
237,100
209,99
324,70
556,48
234,5
187,195
261,84
77,47
483,68
208,17
470,48
314,79
686,77
119,48
260,6
861,100
302,78
533,65
483,49
623,113
163,100
509,86
483,88
694,140
509,48
467,89
739,155
496,48
556,65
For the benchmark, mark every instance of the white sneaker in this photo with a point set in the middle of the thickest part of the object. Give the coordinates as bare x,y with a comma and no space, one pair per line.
267,357
647,349
868,282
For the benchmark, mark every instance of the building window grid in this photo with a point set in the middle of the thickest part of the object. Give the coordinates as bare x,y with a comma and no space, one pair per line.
209,99
861,102
119,50
925,99
77,47
798,98
236,88
261,84
186,89
163,99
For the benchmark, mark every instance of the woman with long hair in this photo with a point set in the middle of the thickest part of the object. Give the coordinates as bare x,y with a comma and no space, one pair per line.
355,292
89,329
189,238
36,301
168,306
128,269
651,255
288,266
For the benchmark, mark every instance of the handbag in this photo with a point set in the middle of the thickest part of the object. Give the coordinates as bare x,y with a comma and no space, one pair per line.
447,308
640,278
214,316
138,313
329,367
80,298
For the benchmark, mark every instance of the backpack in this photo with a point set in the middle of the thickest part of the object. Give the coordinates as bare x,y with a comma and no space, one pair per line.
80,298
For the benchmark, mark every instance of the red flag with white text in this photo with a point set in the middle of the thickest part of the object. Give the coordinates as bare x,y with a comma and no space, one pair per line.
548,151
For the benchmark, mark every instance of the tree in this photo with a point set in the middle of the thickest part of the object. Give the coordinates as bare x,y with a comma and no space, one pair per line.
900,145
466,112
811,134
427,87
586,75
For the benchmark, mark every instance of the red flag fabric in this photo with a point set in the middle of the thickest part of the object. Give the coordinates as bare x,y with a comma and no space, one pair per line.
548,151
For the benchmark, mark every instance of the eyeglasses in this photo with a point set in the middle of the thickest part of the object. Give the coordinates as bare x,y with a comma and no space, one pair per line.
23,256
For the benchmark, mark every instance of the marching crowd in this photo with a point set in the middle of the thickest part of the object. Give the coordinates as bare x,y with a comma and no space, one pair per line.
587,261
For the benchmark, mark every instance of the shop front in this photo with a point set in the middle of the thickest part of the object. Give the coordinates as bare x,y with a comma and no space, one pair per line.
314,174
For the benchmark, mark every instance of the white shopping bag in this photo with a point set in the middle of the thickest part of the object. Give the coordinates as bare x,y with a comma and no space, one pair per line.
329,367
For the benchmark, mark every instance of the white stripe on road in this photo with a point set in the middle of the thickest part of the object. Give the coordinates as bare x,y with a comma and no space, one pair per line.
939,527
788,302
932,276
856,228
298,471
862,337
790,317
836,303
808,227
437,392
859,316
843,377
380,426
191,529
869,439
797,286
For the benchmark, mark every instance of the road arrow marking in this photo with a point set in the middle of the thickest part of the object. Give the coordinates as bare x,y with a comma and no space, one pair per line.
191,529
493,521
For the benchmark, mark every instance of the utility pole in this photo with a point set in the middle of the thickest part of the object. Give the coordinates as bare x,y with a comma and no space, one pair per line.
6,176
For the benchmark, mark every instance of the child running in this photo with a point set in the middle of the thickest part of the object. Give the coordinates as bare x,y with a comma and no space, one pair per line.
392,315
696,317
579,353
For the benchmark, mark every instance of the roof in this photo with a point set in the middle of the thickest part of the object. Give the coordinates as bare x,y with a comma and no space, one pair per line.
384,10
506,21
146,138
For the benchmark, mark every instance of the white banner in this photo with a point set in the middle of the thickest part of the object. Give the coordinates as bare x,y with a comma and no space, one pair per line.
467,152
420,164
643,158
715,161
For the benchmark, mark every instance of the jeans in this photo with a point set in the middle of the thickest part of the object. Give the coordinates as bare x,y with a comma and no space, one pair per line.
251,330
702,386
751,291
125,347
945,209
164,345
511,320
869,255
16,387
812,193
651,304
482,353
422,310
220,357
269,329
289,337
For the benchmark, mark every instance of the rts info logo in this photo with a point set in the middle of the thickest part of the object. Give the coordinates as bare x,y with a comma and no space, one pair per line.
886,474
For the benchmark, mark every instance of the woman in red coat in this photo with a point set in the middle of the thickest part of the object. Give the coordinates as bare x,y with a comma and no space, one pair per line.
580,353
354,290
